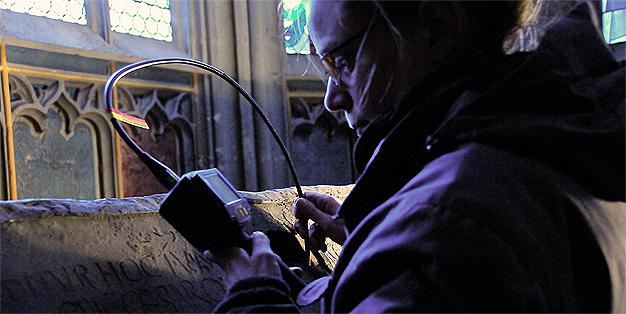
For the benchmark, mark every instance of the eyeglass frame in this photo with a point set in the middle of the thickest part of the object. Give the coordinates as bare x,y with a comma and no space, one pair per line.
328,60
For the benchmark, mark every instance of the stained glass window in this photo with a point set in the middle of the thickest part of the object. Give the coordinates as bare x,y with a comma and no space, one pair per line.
614,21
145,18
72,11
295,26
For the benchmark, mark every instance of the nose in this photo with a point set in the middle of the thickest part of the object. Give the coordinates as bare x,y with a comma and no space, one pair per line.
337,98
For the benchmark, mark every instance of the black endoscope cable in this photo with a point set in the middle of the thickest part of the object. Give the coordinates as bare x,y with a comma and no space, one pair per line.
163,173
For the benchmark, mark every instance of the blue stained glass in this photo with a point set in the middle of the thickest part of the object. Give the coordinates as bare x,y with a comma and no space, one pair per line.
613,5
295,26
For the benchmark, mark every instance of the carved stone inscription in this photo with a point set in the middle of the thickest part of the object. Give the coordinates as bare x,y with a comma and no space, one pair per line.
122,263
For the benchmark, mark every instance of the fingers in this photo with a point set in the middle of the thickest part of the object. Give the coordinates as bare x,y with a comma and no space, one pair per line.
324,202
233,257
301,227
260,244
320,208
318,237
337,231
305,209
225,256
264,259
297,270
207,254
239,265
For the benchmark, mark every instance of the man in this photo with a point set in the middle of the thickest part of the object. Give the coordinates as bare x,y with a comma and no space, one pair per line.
488,182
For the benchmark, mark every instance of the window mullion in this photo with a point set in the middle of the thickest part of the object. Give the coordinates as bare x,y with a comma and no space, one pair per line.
98,18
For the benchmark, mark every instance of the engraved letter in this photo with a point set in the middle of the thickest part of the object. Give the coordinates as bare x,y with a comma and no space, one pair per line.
63,279
147,269
183,264
164,294
71,307
108,271
81,273
127,265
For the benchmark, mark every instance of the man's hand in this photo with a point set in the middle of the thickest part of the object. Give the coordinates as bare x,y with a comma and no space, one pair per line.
320,208
238,264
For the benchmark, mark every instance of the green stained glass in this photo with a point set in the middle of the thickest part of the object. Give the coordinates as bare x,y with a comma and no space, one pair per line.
295,26
145,18
72,11
614,21
618,27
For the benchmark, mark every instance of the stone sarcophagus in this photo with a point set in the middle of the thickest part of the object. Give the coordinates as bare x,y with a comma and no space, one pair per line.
119,255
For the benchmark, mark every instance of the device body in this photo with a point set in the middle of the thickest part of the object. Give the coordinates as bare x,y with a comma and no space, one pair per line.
205,208
202,205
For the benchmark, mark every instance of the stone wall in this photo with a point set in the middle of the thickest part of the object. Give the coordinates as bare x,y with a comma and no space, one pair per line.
119,255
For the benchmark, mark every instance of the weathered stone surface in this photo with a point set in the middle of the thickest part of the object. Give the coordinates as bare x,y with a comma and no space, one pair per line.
119,255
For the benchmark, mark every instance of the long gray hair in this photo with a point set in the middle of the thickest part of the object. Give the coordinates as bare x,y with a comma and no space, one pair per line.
534,20
509,26
524,22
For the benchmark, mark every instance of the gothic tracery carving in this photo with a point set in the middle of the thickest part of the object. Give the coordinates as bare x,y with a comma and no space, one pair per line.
318,137
32,102
22,92
90,97
173,111
306,114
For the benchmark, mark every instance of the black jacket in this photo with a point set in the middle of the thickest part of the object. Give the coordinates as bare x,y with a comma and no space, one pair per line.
491,190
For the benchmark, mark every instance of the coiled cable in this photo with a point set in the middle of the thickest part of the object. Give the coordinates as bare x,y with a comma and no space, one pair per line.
162,173
166,176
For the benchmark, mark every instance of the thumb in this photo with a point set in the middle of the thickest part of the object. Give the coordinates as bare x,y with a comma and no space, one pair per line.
260,244
305,209
209,256
297,270
324,202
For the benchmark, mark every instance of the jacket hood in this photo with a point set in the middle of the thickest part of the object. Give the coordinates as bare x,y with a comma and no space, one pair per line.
562,105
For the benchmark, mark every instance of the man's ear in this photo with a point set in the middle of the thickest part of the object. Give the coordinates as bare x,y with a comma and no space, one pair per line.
446,25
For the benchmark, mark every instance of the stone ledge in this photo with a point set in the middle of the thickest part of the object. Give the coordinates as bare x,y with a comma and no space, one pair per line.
11,211
119,255
45,207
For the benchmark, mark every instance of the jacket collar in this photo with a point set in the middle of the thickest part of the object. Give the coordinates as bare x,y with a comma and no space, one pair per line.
391,151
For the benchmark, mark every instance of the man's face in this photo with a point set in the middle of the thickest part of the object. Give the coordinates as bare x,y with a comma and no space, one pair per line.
361,52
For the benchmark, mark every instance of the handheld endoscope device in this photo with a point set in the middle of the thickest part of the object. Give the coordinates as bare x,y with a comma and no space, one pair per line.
194,208
202,205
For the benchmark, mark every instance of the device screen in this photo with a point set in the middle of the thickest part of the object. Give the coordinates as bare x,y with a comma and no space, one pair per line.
217,184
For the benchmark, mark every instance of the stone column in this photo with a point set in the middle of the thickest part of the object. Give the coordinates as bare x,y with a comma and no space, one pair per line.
268,86
199,50
244,73
244,39
224,101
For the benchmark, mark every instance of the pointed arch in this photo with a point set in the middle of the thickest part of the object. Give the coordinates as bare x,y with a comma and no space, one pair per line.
22,92
103,148
33,110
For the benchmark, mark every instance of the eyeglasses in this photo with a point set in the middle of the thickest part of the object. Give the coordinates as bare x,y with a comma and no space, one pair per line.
328,60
